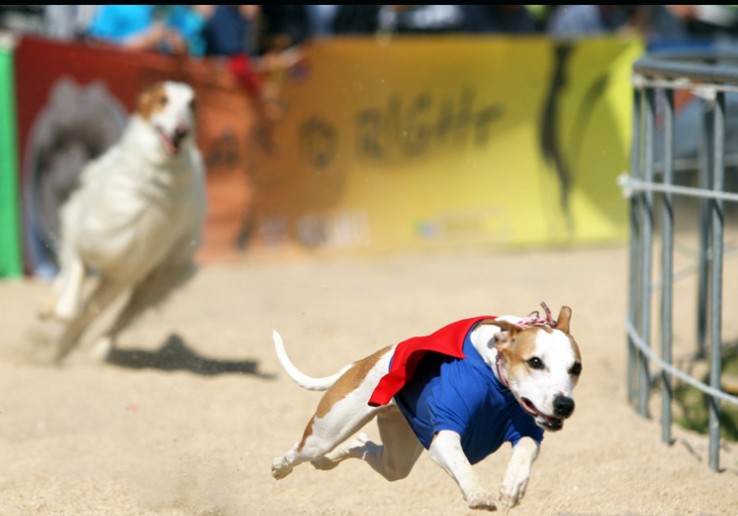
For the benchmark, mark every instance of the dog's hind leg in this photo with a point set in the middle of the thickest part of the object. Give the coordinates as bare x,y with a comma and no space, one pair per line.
101,297
321,436
149,292
66,291
393,459
341,412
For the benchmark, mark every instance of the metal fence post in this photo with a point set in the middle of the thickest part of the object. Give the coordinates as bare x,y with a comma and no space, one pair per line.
646,250
717,226
635,237
667,263
707,155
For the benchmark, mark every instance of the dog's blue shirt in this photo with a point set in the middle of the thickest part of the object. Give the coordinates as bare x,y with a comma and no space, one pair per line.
463,395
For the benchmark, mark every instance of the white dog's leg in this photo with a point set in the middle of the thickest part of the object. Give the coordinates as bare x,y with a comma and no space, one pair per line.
100,298
393,459
67,290
445,450
518,472
339,415
149,292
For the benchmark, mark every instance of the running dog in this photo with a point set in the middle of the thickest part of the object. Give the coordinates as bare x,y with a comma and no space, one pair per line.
134,223
460,393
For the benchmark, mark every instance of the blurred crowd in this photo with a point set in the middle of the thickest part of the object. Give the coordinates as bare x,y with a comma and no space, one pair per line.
258,40
257,30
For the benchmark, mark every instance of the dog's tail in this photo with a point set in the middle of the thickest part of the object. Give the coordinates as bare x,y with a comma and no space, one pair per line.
301,379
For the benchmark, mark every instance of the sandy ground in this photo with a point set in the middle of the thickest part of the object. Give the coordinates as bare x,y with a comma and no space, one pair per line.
188,414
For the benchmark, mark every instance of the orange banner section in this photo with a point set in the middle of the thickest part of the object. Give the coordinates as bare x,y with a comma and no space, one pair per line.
437,142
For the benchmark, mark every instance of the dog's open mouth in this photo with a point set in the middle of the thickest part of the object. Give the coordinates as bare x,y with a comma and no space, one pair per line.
174,142
547,422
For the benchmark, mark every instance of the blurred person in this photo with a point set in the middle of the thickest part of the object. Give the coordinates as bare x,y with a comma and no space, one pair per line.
409,18
466,18
67,22
708,24
282,27
356,20
171,29
658,25
282,31
493,19
228,30
320,19
585,20
24,19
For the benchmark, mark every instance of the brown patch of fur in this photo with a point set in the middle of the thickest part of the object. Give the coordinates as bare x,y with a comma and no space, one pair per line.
525,346
306,434
153,99
350,380
562,323
347,383
575,347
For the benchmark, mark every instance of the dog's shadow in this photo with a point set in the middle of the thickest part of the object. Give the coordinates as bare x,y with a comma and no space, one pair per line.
175,355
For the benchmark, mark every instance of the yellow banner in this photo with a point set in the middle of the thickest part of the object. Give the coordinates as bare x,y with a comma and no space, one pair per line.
428,142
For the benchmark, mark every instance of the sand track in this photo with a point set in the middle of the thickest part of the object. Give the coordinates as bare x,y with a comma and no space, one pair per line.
189,416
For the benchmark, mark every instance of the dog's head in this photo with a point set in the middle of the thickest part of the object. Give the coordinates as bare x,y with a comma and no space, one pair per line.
169,109
541,365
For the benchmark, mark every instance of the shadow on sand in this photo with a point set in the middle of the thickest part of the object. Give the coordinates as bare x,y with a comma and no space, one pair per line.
175,355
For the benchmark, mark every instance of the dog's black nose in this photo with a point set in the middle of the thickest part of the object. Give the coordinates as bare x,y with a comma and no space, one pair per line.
181,132
563,406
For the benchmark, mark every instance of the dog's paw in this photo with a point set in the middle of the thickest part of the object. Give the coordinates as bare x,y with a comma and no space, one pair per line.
482,500
102,348
280,468
511,494
325,463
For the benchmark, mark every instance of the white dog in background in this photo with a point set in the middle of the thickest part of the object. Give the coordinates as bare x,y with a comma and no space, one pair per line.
135,221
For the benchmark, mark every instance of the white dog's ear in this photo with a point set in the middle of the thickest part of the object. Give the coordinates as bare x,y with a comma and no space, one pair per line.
508,331
562,323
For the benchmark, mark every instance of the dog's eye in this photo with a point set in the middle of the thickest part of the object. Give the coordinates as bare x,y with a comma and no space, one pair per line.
162,100
193,106
576,369
535,363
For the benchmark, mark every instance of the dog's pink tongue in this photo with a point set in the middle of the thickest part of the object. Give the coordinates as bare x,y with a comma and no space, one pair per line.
170,146
168,143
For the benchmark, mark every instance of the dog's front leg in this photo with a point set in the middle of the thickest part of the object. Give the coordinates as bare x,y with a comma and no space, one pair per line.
445,450
518,472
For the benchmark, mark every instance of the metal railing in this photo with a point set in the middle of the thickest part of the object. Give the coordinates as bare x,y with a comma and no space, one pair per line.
651,187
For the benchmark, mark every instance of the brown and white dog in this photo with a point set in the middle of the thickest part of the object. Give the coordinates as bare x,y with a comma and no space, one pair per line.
533,362
134,223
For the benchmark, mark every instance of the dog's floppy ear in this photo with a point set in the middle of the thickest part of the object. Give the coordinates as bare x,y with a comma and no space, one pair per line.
508,331
151,99
562,323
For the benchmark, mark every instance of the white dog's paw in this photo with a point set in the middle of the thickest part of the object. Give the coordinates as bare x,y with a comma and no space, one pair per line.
102,347
482,500
325,463
511,494
280,468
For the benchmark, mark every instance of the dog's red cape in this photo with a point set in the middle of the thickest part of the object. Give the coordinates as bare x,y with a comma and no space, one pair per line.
449,340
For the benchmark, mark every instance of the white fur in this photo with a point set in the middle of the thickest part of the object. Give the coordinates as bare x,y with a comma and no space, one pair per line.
134,222
303,380
331,437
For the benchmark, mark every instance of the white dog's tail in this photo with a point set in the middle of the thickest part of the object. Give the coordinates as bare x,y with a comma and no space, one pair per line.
301,379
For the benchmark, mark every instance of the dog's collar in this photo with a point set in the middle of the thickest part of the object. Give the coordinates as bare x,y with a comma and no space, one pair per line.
500,373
